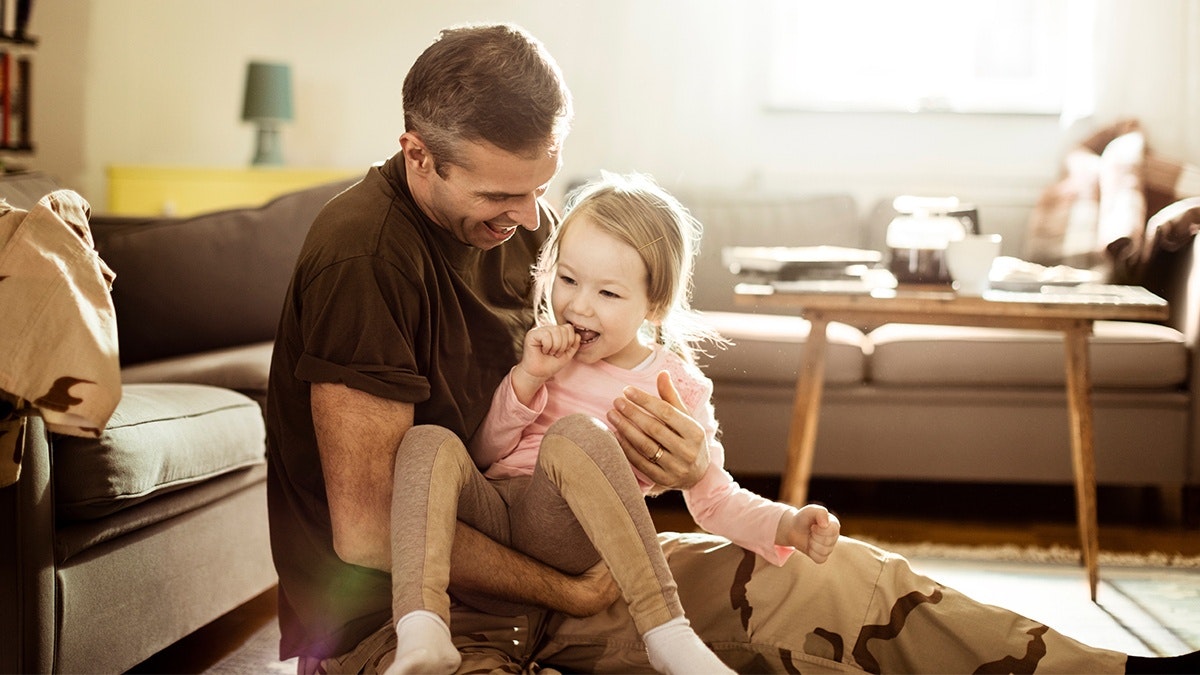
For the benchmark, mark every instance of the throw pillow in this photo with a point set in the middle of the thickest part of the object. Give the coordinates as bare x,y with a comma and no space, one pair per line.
1094,217
1097,203
1121,221
1167,181
1065,212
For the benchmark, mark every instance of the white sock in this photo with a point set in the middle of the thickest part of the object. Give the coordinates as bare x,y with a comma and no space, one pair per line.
423,645
675,649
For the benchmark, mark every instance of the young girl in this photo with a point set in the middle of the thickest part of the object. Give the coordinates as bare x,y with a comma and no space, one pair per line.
613,282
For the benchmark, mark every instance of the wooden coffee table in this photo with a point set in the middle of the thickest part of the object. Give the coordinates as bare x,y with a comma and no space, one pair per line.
1069,310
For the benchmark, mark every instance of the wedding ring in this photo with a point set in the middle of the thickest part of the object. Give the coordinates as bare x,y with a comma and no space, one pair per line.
658,454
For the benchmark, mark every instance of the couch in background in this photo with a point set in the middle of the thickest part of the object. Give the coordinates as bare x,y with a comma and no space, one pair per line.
115,548
943,403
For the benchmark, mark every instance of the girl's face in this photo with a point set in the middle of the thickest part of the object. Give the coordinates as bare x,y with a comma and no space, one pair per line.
600,289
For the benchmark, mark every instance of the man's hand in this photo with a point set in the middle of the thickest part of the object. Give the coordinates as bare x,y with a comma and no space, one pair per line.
660,438
593,592
812,530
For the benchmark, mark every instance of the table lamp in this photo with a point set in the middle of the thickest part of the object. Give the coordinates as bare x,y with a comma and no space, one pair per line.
268,102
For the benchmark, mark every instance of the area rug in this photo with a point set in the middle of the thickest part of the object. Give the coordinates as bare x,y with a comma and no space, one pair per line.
1147,605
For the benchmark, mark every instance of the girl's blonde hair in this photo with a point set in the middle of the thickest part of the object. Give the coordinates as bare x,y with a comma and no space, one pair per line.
634,209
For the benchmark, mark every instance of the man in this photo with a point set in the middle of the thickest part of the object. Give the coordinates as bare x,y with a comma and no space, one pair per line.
408,305
359,360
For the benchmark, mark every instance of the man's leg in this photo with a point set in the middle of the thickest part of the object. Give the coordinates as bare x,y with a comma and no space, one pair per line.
864,609
487,643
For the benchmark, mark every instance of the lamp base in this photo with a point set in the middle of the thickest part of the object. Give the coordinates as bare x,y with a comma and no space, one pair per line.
269,150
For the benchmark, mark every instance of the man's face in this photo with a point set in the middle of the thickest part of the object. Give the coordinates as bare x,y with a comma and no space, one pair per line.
483,202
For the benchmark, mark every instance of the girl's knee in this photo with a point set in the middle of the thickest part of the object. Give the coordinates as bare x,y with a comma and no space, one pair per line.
427,439
585,430
585,433
429,433
579,426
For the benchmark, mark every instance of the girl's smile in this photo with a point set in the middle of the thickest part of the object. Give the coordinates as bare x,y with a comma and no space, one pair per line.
586,336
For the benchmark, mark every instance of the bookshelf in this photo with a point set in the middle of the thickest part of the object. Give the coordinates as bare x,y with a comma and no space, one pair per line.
16,76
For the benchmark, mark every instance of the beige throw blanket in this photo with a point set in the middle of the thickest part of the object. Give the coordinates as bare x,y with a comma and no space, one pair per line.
58,329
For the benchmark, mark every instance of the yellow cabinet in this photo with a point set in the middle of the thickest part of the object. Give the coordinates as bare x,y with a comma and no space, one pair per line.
184,191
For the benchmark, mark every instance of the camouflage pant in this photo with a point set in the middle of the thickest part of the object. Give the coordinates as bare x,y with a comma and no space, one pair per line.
863,610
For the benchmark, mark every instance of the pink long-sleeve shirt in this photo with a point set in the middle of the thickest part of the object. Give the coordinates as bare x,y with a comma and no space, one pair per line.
508,441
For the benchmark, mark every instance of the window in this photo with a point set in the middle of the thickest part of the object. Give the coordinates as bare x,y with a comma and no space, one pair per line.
973,56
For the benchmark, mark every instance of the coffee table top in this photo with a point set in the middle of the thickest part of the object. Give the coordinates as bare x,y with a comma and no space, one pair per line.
1084,301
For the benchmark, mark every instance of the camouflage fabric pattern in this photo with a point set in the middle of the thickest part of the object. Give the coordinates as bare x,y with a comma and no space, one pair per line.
59,336
864,610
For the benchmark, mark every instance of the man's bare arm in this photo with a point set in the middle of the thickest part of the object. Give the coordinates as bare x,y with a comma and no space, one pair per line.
357,436
506,574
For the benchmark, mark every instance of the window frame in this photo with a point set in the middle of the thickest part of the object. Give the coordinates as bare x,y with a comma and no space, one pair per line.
1062,33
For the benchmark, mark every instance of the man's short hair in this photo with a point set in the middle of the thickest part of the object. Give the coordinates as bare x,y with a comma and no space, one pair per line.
494,83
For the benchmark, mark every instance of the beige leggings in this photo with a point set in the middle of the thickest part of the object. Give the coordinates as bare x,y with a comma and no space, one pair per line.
582,498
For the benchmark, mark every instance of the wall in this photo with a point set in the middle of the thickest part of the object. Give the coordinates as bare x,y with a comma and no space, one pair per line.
673,87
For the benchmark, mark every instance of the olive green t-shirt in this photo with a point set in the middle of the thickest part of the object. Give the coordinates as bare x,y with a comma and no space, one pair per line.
385,301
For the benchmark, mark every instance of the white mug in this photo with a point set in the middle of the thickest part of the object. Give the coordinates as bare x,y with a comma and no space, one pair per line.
969,261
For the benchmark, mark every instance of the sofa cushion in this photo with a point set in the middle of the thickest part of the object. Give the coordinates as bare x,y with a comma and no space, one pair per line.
244,369
162,437
217,280
1122,354
756,219
768,348
75,537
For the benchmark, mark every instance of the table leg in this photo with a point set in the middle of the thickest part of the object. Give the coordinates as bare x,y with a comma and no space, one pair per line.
806,410
1083,458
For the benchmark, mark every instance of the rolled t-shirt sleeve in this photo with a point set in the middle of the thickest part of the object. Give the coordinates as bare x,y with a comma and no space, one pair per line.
361,324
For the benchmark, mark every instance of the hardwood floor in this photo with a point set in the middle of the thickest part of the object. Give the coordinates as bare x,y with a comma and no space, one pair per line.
204,648
1131,520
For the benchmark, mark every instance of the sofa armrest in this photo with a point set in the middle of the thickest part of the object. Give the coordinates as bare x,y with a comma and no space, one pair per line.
27,589
1184,294
1184,298
1175,275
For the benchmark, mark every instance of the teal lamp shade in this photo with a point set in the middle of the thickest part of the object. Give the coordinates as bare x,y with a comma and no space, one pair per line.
268,103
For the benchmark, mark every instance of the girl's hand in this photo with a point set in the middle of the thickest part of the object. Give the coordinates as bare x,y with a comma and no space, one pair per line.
659,437
812,530
546,350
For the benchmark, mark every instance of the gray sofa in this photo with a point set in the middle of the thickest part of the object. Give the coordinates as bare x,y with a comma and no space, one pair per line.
115,548
940,403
